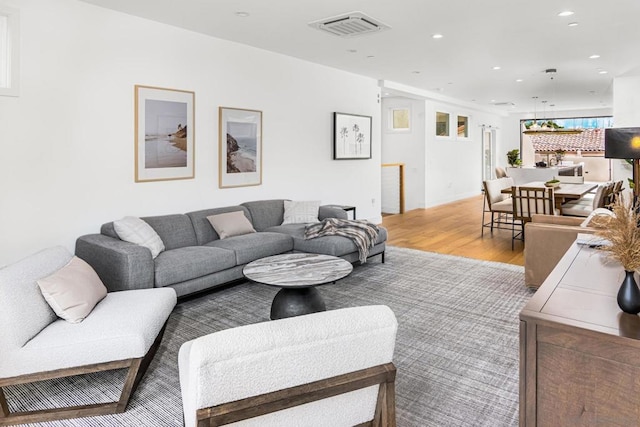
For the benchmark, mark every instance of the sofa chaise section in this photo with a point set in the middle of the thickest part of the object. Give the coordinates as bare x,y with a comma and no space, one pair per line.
268,217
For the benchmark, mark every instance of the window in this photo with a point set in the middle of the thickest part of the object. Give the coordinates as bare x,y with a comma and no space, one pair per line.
9,45
442,124
463,126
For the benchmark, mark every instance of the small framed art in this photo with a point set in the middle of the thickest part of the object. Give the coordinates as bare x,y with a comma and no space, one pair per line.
164,134
240,147
351,136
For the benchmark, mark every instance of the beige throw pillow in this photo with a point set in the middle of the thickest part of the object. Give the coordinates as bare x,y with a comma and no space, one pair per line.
135,230
73,291
301,212
231,224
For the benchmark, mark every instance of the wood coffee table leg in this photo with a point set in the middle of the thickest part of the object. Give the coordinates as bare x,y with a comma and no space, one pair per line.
290,302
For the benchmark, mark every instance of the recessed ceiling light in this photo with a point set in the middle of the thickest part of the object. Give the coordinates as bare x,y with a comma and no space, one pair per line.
519,80
242,14
437,36
415,72
602,72
566,13
352,50
370,56
573,24
496,67
594,57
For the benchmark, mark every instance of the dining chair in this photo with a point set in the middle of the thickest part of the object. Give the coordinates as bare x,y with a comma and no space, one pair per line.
587,204
500,172
528,201
496,202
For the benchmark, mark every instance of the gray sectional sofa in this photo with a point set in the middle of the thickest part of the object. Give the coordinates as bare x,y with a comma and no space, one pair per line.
196,259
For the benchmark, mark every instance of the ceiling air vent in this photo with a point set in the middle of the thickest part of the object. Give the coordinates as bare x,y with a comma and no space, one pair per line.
349,25
504,104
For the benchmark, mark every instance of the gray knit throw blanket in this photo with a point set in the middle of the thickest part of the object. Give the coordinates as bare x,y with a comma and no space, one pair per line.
363,233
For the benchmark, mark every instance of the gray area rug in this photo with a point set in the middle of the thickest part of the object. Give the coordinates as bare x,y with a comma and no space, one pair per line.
456,351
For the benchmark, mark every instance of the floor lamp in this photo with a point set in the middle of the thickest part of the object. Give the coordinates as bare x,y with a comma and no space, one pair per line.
624,143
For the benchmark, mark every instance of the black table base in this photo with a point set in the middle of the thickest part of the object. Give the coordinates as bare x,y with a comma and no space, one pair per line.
290,302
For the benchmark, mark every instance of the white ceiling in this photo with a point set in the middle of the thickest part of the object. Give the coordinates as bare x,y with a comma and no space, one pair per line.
522,37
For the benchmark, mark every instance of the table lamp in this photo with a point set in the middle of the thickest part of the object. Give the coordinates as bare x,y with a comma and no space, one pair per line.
624,143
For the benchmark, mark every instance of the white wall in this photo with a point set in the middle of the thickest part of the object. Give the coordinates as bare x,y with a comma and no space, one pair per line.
451,167
67,141
407,147
453,164
626,110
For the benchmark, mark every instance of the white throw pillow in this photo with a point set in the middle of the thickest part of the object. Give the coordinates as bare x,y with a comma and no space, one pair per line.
134,230
301,212
231,224
600,212
73,291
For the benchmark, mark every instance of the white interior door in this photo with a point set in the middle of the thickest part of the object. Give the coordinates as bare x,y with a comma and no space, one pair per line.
488,153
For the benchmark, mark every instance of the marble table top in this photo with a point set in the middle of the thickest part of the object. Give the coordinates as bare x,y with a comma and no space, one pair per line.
297,270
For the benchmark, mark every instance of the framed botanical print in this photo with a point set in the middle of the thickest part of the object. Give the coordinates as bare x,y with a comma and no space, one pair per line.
164,134
351,136
240,147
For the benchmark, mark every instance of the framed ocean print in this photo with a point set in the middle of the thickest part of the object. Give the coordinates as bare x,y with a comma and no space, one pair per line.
351,136
164,134
240,147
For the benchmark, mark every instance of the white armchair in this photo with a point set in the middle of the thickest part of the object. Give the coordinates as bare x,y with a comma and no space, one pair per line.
332,368
123,331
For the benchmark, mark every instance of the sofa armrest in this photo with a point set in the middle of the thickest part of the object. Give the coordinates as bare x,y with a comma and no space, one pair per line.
545,244
327,211
120,265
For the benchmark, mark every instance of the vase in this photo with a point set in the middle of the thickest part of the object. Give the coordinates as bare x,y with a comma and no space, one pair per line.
629,294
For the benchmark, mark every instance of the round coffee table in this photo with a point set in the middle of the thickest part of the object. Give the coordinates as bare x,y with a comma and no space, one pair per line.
297,274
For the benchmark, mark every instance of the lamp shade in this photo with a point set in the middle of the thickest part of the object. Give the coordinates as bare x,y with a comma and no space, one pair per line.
622,143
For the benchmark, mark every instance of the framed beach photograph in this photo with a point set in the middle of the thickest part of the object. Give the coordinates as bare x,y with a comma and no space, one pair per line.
240,150
351,136
164,134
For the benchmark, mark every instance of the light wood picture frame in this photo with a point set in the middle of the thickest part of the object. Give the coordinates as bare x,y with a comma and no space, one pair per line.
164,134
240,147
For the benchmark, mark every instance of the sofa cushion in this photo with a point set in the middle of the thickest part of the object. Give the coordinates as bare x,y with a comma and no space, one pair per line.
176,231
202,227
231,224
179,265
135,230
250,247
327,245
21,302
73,291
123,325
300,211
265,213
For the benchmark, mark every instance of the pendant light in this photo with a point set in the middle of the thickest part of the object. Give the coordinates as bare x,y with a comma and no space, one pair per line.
545,129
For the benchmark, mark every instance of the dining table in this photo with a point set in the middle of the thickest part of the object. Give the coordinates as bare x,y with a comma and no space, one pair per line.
562,192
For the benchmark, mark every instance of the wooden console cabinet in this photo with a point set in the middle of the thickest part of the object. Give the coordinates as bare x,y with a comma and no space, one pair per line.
579,354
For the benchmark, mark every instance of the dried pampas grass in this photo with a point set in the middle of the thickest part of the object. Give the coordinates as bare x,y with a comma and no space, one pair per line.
623,233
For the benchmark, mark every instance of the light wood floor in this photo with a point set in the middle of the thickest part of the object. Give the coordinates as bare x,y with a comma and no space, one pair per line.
452,229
